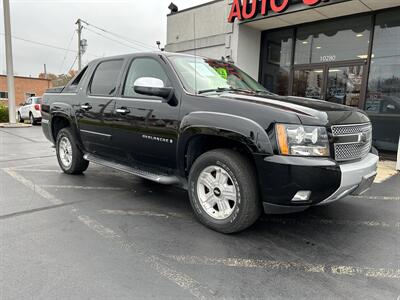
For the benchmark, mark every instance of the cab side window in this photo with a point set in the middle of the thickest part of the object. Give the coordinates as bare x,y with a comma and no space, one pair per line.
143,67
105,78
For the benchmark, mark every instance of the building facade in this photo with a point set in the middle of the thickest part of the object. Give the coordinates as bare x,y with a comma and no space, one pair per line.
25,87
341,51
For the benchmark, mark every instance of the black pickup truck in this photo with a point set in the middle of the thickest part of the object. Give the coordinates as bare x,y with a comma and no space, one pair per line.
206,126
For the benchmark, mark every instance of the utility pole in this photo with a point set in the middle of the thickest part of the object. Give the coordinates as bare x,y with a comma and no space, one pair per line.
45,71
79,23
9,63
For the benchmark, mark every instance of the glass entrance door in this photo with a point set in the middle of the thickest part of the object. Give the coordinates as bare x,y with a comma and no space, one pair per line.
309,83
344,85
335,83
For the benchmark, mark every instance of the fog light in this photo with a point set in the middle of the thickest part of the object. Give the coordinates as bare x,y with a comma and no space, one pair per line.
302,196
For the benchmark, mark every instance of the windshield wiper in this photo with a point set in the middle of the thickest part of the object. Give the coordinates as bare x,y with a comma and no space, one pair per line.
220,90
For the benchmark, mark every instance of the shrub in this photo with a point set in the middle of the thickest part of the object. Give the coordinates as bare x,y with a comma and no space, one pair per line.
3,113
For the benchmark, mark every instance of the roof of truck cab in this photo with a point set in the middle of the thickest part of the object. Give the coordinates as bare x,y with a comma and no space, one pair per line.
153,53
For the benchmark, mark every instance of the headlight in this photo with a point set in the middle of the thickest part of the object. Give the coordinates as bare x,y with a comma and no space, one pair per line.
298,140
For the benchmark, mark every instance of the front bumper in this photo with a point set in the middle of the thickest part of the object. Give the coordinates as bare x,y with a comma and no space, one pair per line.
281,178
357,178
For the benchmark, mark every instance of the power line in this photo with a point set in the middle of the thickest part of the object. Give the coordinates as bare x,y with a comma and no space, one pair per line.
66,52
116,41
72,66
46,45
138,43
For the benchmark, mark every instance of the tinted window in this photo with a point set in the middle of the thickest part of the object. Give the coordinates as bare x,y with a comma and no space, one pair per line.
333,41
277,57
105,78
383,95
143,67
37,100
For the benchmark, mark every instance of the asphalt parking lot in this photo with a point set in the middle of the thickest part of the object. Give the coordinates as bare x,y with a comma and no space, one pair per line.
108,235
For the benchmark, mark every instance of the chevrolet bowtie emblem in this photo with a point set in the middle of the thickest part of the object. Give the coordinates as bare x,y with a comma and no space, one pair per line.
362,138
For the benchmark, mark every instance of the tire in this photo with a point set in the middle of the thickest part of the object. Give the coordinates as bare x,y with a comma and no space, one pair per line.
237,205
32,119
69,156
20,120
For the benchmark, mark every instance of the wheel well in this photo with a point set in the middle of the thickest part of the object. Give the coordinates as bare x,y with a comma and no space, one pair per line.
203,143
58,123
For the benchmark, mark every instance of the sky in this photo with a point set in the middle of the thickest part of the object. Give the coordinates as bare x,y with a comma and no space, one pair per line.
53,22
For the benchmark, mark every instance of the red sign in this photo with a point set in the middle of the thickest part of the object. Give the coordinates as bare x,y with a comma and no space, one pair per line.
245,10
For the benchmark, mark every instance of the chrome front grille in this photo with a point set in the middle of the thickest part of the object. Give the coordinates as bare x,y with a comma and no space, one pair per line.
352,141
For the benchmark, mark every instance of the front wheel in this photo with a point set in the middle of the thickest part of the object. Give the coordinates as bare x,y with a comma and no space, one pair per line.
19,118
69,156
223,191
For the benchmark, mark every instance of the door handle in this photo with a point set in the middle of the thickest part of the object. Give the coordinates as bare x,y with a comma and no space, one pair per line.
122,110
86,106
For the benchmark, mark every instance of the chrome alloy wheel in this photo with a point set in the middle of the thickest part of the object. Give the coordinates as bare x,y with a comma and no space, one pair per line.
65,152
216,192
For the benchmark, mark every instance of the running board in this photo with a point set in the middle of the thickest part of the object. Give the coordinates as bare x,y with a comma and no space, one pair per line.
159,178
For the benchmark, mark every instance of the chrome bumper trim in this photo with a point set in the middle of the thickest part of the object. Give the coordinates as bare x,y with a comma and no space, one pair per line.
356,177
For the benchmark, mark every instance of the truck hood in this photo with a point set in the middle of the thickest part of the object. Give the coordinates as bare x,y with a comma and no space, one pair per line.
309,111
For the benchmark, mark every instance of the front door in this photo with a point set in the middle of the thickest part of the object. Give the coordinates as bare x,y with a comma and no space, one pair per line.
344,85
95,109
145,127
337,83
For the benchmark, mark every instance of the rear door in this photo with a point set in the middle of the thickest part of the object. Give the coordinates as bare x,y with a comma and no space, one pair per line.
146,126
95,110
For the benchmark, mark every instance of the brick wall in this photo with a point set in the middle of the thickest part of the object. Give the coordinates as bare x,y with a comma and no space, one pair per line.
25,85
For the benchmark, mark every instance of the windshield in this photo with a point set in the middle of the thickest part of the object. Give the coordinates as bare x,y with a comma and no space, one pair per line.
202,75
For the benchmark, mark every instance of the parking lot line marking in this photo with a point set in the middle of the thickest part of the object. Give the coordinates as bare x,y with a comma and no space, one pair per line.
37,189
265,219
385,198
143,213
378,273
156,263
27,166
24,159
40,170
312,221
79,187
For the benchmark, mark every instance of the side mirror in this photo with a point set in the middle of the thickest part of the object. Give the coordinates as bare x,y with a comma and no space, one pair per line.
152,87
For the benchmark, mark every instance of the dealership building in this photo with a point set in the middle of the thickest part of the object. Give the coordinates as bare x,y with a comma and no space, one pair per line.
341,51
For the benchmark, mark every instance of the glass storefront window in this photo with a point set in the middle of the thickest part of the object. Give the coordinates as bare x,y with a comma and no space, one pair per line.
383,96
277,60
333,41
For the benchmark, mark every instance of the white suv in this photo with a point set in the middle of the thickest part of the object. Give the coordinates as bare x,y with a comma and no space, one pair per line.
30,110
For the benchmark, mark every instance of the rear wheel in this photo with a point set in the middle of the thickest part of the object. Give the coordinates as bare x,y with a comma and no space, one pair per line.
31,119
223,191
70,157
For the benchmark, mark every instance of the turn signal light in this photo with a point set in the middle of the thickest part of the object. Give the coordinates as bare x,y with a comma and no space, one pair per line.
282,139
